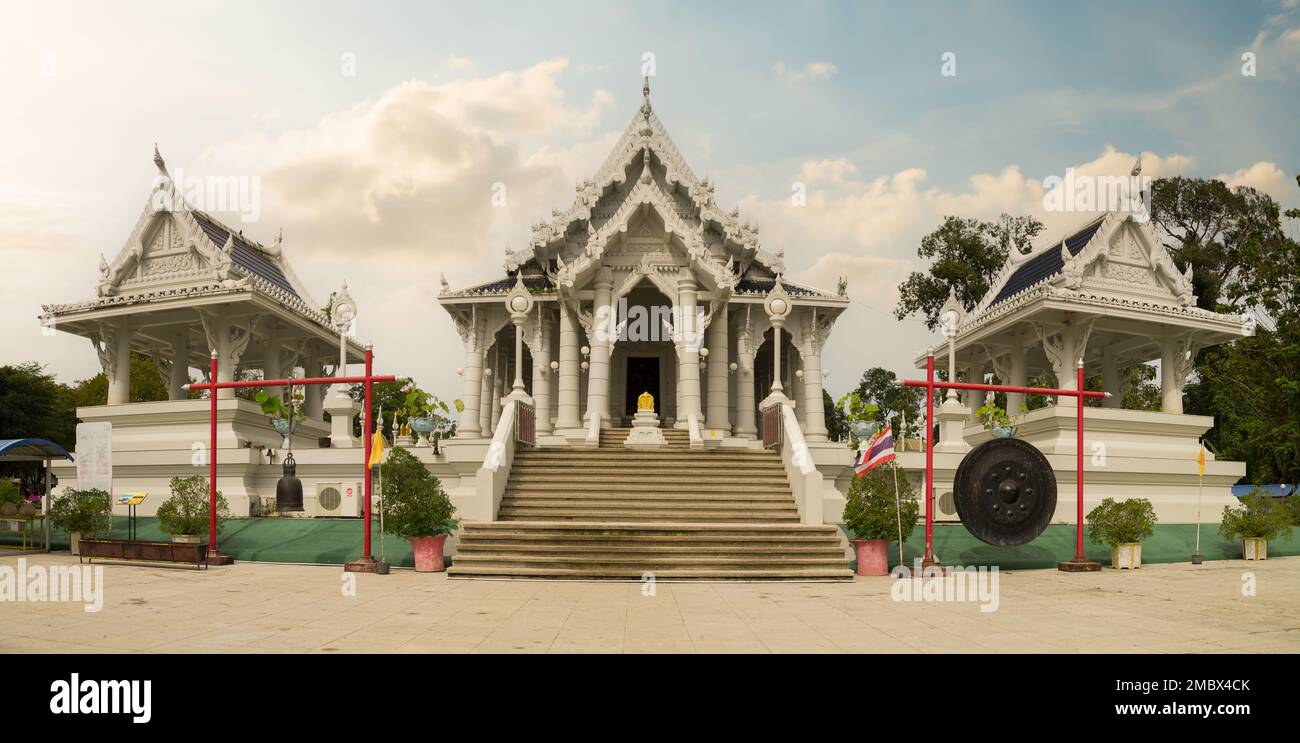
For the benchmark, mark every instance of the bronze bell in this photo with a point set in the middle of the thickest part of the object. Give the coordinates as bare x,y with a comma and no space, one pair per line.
288,491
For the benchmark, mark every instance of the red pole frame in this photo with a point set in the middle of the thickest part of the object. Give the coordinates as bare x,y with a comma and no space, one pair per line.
1079,562
368,380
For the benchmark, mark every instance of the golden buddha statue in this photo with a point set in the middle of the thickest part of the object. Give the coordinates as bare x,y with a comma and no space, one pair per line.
645,402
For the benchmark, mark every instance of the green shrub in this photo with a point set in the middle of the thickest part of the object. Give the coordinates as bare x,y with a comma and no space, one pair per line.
415,505
9,493
1121,522
1258,517
186,511
86,511
870,511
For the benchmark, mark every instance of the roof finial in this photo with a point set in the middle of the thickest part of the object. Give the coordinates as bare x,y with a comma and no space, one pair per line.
158,160
1137,166
645,88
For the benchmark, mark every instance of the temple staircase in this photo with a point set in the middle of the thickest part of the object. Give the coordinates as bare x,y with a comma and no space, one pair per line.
676,512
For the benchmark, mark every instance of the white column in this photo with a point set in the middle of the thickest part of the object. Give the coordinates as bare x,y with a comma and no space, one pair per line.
485,393
975,398
470,426
567,414
1019,377
688,362
602,324
1112,380
1171,378
119,371
313,395
542,373
746,427
719,342
180,371
517,388
815,415
498,385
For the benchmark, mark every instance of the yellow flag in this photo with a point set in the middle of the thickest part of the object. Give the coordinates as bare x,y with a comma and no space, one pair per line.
1200,459
376,449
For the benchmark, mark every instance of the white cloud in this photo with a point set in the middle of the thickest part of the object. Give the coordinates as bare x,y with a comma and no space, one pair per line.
1262,176
457,62
808,73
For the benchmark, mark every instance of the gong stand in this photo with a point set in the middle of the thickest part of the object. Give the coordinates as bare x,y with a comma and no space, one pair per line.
366,564
1078,563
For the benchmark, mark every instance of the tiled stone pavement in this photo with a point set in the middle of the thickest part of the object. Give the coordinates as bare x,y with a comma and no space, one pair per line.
289,608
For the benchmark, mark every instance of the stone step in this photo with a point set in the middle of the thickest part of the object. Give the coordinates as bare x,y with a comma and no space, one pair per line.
809,574
613,515
650,562
592,495
543,528
758,509
716,458
587,547
700,486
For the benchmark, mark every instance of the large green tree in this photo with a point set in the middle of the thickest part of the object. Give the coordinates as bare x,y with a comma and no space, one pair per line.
33,404
880,387
964,255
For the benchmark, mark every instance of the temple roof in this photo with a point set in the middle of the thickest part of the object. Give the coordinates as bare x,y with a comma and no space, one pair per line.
1045,265
250,256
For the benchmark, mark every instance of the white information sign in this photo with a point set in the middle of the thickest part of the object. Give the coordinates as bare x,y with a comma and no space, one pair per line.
95,456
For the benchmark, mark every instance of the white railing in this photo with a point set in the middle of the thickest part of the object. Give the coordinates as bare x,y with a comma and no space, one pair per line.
805,479
492,476
693,425
593,429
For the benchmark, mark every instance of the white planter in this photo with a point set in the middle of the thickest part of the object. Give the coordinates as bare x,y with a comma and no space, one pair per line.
1127,556
187,538
1254,548
74,542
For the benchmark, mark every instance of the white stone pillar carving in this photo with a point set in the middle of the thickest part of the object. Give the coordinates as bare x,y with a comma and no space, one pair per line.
746,427
568,416
1112,379
1017,376
1064,348
688,360
313,395
603,323
471,335
498,385
719,344
542,372
975,398
815,415
485,392
118,346
179,375
1177,354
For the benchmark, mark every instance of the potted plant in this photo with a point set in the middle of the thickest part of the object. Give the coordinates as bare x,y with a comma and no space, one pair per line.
427,415
872,516
417,508
1122,525
184,515
860,416
81,512
1256,521
284,422
996,421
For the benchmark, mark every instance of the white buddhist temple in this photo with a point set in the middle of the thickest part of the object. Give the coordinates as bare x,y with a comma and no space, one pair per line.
1108,295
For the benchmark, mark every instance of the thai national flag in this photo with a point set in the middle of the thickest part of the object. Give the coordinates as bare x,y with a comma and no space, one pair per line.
877,451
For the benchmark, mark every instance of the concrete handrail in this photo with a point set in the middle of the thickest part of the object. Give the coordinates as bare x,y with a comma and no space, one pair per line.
593,429
693,426
802,473
490,482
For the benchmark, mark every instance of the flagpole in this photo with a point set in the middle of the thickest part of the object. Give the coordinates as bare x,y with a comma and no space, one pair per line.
898,507
1200,481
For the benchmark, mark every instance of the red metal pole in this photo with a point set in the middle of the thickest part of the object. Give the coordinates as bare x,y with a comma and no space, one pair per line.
1078,529
1005,388
929,455
212,458
290,382
370,356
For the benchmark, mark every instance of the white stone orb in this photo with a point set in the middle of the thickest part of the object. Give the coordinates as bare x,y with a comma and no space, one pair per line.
778,306
519,304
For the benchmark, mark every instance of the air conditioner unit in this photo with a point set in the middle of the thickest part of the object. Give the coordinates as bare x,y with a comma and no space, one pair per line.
335,499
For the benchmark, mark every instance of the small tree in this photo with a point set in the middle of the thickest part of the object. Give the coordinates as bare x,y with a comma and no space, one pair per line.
186,511
415,505
870,511
85,511
1121,522
1258,517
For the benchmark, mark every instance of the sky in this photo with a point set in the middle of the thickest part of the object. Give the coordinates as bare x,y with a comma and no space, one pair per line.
378,134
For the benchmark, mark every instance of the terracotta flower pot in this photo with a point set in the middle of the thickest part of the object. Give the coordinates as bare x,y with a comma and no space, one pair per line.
873,556
428,553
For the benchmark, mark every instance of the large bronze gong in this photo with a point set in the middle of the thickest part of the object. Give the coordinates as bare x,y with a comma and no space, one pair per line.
1005,492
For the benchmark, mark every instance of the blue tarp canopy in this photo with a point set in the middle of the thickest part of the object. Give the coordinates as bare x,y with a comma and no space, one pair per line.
1268,491
31,450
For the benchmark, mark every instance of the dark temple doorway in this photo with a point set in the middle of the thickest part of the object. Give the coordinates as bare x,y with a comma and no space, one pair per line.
642,376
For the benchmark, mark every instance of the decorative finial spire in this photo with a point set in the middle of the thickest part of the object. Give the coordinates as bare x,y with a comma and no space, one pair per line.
158,160
645,88
1137,166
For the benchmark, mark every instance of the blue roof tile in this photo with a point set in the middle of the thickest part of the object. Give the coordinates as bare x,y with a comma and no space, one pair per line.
243,253
1045,265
